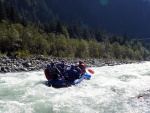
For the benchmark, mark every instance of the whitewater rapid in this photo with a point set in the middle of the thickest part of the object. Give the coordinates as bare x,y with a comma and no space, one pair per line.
112,89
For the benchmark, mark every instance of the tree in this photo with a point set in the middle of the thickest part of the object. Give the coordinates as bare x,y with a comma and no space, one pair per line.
126,38
61,46
95,49
10,40
72,47
116,48
2,11
14,15
24,22
59,27
82,49
99,35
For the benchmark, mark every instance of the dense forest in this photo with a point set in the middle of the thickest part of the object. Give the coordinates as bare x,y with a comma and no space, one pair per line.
19,34
112,16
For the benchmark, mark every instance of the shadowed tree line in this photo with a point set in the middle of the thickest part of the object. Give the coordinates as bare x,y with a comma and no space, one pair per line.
57,38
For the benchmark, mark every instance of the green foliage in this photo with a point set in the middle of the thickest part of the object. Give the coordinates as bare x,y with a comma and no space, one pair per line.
1,54
62,40
72,47
116,49
95,49
82,49
18,27
32,40
23,53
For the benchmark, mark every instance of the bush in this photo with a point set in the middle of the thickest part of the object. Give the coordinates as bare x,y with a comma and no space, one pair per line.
23,53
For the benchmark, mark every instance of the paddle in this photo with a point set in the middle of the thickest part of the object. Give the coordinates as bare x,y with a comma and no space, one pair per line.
87,76
91,71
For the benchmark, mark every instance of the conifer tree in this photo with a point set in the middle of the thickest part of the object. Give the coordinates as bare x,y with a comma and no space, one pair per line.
2,10
14,15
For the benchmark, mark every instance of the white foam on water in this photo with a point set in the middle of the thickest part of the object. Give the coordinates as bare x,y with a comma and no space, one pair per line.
112,89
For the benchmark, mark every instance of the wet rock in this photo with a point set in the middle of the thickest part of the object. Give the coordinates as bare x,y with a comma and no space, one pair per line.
145,94
26,64
16,64
3,70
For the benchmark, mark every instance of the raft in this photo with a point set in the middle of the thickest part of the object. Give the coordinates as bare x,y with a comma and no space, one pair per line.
61,82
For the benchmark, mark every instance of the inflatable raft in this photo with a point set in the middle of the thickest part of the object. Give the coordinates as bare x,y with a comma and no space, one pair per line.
60,83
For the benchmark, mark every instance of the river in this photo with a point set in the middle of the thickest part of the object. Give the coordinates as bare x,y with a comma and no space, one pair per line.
112,89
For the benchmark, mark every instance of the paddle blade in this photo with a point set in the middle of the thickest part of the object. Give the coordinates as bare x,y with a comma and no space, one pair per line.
91,71
87,76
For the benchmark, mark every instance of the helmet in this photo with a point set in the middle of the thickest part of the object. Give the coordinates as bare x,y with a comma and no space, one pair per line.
72,67
62,60
80,62
52,63
48,65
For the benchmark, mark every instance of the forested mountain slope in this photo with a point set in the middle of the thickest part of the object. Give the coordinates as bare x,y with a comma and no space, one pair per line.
112,16
54,28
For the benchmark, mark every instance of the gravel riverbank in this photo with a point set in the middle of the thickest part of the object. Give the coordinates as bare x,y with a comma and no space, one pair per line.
16,64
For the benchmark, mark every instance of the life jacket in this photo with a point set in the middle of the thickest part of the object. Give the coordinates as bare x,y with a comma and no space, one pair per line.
53,72
47,74
62,65
82,67
61,68
72,75
79,71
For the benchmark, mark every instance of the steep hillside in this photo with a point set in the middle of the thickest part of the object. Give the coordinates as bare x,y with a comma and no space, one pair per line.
112,16
32,9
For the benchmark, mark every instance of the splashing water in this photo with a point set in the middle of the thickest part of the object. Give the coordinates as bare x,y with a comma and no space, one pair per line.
112,89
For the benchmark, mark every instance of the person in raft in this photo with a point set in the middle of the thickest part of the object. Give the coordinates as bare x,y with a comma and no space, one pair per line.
71,75
46,72
54,72
82,66
80,72
62,67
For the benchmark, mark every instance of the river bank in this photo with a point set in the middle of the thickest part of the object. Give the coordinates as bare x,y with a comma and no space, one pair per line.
18,64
